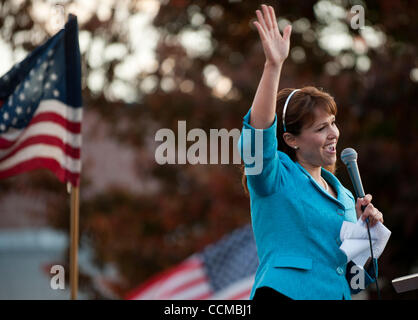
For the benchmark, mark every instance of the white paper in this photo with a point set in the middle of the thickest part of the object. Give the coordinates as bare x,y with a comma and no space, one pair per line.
355,240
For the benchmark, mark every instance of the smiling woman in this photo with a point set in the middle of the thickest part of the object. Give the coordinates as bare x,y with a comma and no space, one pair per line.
309,117
309,121
297,204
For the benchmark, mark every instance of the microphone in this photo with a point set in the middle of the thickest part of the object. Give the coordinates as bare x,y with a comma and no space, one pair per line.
349,158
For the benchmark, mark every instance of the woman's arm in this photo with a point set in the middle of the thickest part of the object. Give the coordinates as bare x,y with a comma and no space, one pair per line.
276,50
262,114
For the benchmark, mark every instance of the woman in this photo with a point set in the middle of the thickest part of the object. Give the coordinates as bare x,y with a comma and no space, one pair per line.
297,204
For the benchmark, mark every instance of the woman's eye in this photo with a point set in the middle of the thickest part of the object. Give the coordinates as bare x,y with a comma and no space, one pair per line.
333,123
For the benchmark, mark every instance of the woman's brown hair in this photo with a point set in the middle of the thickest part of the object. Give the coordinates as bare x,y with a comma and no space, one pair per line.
300,113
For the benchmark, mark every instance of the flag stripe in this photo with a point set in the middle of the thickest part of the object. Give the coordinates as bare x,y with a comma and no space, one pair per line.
183,282
193,293
42,151
53,123
191,284
237,290
73,127
51,106
202,296
43,128
48,140
189,270
67,112
153,282
38,163
181,278
245,295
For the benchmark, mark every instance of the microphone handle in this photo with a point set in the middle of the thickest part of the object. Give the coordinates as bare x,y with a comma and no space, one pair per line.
354,174
358,188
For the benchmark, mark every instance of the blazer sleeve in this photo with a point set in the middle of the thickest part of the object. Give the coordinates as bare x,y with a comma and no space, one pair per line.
262,165
369,276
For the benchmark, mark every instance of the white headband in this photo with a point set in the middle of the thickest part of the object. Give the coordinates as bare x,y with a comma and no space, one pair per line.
285,107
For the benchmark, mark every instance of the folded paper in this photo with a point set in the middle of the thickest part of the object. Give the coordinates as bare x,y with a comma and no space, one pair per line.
355,240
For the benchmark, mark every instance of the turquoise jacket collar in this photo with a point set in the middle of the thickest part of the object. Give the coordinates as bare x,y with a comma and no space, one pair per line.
330,179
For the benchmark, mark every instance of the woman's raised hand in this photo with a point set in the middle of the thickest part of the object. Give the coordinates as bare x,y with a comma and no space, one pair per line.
275,46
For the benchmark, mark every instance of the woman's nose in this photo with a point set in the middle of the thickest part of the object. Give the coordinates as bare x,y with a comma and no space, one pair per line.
334,133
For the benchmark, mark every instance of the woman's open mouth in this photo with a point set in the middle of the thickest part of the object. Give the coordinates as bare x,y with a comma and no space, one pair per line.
331,148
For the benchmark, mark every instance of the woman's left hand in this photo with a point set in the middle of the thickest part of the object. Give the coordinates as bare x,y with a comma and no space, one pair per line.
370,211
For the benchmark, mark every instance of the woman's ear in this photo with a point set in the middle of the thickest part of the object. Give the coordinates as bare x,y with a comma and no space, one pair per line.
289,139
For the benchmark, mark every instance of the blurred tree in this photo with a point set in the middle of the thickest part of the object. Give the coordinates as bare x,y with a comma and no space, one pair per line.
207,64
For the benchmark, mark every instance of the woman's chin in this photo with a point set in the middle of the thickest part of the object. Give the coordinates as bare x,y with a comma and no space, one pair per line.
330,161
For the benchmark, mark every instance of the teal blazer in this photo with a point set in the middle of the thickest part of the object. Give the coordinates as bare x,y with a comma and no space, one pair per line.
297,224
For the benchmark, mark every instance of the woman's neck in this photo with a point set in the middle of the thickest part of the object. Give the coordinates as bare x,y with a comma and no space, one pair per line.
314,171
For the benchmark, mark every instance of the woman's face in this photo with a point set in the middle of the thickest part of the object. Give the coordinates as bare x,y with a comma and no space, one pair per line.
317,143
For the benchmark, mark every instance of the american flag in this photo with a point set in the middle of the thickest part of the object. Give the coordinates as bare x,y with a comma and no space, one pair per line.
41,109
222,271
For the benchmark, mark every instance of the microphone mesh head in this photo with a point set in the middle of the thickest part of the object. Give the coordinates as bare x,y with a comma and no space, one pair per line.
348,155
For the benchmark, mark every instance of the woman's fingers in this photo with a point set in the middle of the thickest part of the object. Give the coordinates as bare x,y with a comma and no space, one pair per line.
375,218
286,32
379,217
367,214
274,22
370,211
275,48
367,199
364,201
261,21
268,21
372,214
260,31
267,18
273,18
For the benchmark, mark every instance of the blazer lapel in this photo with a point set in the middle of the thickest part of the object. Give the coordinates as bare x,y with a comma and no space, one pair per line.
329,177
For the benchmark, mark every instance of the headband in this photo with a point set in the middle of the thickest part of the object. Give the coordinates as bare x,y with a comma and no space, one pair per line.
285,107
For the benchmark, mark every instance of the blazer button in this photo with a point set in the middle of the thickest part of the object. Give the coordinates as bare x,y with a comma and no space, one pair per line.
340,212
340,271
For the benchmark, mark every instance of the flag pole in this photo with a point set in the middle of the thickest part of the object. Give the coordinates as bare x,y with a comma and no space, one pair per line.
74,234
